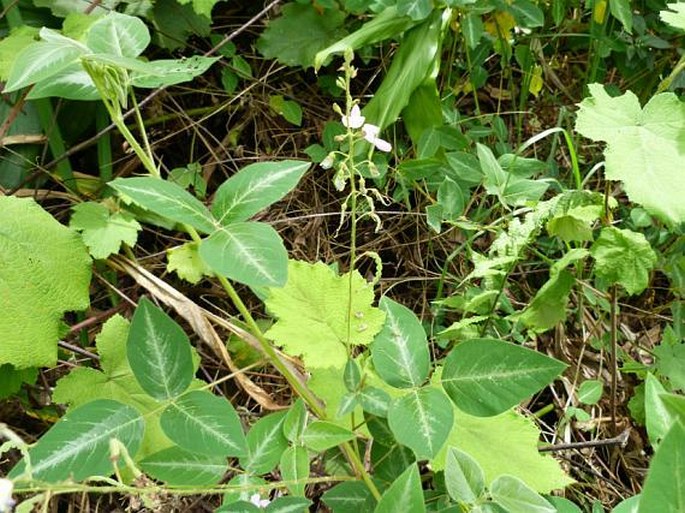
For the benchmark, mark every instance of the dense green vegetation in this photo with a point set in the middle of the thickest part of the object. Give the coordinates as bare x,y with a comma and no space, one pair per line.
351,256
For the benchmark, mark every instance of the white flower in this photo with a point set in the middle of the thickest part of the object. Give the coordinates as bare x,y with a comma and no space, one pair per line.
258,501
355,119
371,134
328,162
6,501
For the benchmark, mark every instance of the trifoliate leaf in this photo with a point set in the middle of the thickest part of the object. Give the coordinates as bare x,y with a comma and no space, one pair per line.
312,311
624,257
104,231
186,261
644,147
116,381
299,33
675,16
44,272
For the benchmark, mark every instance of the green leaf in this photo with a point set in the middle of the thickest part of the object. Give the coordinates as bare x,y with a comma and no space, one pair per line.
201,7
294,467
321,435
516,497
417,10
590,391
548,307
166,72
40,61
288,504
176,23
265,444
299,33
167,200
624,257
621,10
315,300
78,445
349,497
295,421
451,199
472,28
159,352
488,376
204,423
658,419
11,45
45,272
651,178
404,494
374,401
118,34
290,110
575,224
247,252
671,363
464,477
565,506
104,231
254,188
664,488
527,14
675,15
421,420
11,379
72,83
400,351
185,260
629,505
177,467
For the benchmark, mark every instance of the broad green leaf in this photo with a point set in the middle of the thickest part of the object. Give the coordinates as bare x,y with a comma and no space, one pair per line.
321,435
622,11
423,114
675,15
103,231
243,487
11,45
315,300
162,73
516,497
629,505
404,494
180,22
40,61
400,351
45,272
451,199
294,467
288,504
118,34
527,14
488,376
299,33
265,444
624,257
472,28
62,8
664,488
658,419
421,420
11,379
289,109
204,423
239,507
548,307
352,375
485,439
349,497
575,224
374,401
247,252
167,200
185,261
72,83
564,505
201,7
159,352
590,391
254,188
177,467
295,421
644,147
671,362
78,445
417,10
464,478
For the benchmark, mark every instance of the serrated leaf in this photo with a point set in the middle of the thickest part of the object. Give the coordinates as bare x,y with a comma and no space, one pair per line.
664,488
159,352
177,467
464,478
404,494
321,435
650,178
400,351
421,420
45,272
265,444
104,231
315,300
185,260
488,376
285,40
624,257
166,199
78,445
516,497
254,188
247,252
118,34
294,467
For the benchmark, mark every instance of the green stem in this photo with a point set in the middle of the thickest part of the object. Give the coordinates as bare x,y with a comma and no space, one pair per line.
666,83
